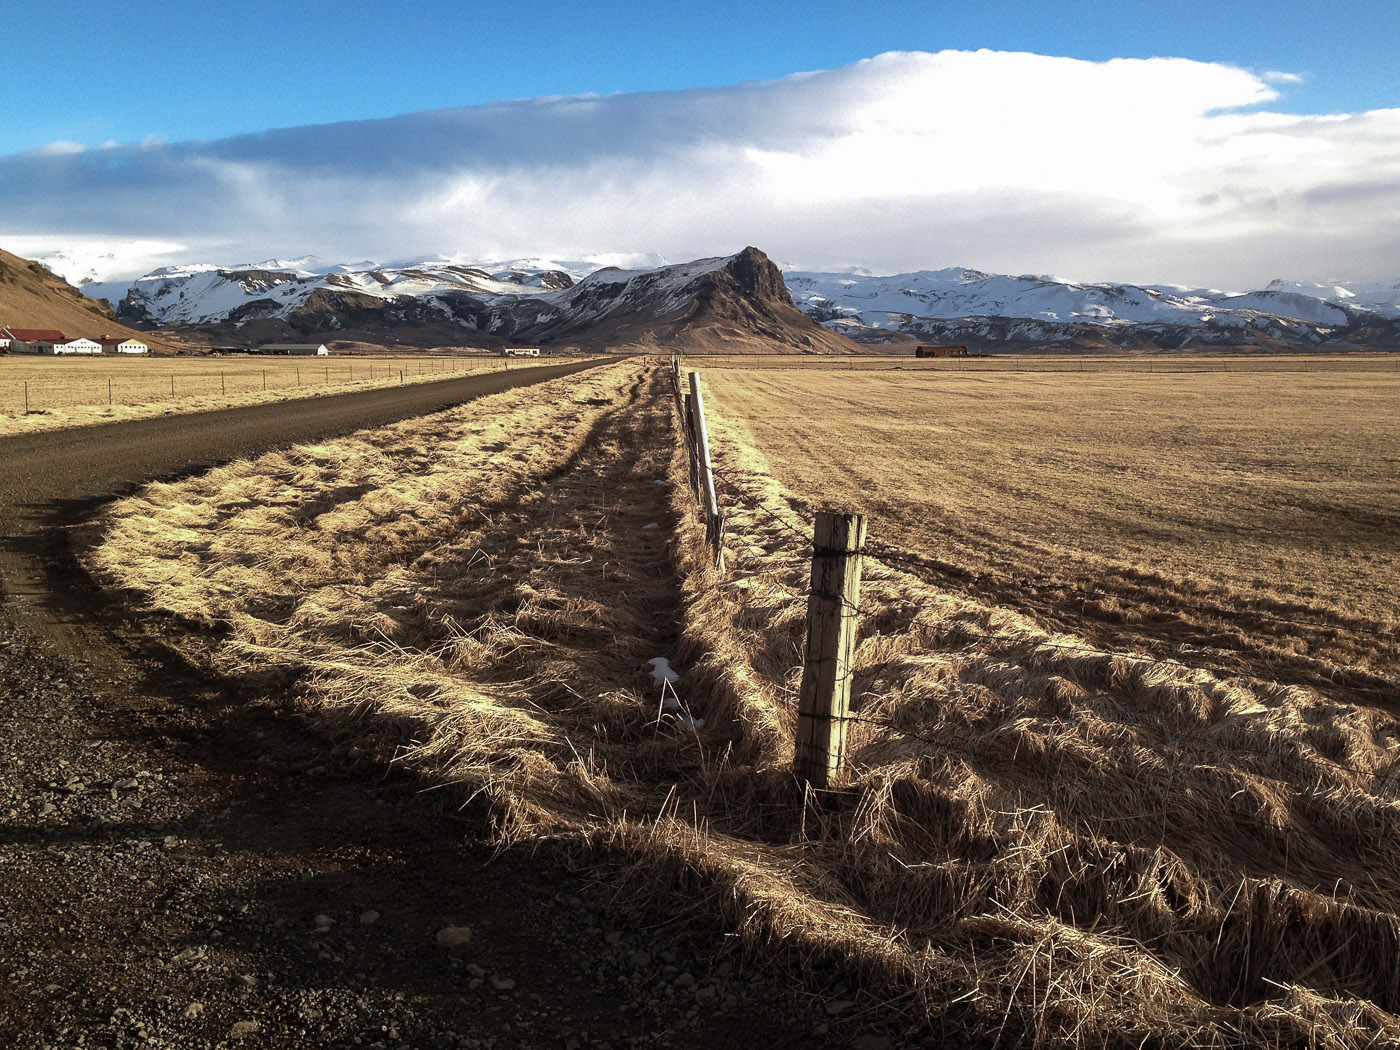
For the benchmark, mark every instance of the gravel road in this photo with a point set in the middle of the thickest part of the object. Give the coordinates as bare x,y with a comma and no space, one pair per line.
184,864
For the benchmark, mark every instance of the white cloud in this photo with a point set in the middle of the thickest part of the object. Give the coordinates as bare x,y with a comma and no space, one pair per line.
1156,169
79,257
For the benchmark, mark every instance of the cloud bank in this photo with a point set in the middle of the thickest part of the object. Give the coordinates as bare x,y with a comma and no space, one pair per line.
1135,170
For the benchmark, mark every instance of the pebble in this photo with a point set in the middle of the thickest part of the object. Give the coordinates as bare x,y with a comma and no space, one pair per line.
452,936
242,1029
192,1011
502,984
369,918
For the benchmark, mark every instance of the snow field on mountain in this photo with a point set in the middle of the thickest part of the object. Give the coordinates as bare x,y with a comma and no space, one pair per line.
957,293
950,305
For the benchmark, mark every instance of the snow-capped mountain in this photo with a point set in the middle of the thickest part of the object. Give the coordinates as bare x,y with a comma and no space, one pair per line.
541,298
729,299
968,306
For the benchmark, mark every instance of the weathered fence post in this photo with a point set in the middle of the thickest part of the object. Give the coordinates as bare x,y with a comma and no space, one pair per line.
832,605
714,525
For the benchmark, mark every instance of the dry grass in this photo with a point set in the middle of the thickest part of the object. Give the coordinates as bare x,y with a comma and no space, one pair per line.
878,358
1170,510
1042,839
65,392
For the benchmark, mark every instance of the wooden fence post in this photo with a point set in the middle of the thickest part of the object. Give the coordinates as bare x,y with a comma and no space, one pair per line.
714,525
832,605
676,386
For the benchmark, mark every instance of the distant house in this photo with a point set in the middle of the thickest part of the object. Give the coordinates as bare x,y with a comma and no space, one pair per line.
78,346
4,342
520,351
123,346
940,351
296,349
33,340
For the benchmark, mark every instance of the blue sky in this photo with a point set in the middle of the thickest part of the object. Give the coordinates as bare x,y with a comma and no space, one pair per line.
1008,136
181,70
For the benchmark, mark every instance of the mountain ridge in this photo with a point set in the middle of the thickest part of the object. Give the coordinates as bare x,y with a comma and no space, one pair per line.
546,300
990,311
737,303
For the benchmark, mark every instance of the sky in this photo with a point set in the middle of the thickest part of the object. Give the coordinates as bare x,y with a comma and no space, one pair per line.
1194,143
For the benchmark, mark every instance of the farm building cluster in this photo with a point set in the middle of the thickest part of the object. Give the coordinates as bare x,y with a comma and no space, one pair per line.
52,341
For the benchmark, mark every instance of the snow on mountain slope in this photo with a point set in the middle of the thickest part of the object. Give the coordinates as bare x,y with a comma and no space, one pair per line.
955,304
731,299
204,294
927,303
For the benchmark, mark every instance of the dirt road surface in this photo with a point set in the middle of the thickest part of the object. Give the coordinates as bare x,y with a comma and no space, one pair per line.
184,864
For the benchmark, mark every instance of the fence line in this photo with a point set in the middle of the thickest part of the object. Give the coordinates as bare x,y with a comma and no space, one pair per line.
143,381
821,738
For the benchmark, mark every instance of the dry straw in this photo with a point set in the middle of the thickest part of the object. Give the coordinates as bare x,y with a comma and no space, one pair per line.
1039,841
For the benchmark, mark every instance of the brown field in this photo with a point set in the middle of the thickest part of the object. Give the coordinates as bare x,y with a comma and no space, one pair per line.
1104,497
878,359
1117,777
64,392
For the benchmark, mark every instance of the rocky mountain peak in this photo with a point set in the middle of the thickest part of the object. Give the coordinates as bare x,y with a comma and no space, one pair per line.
757,275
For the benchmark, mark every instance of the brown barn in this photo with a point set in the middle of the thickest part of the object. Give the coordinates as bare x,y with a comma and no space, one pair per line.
940,351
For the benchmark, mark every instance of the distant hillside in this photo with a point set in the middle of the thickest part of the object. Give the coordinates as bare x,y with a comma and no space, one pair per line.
736,304
995,311
32,297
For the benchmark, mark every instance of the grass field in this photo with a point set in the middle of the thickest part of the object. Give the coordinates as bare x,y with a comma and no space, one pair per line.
1117,364
1116,777
42,393
1110,500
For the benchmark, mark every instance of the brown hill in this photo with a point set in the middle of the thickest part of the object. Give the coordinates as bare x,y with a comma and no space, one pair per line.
32,297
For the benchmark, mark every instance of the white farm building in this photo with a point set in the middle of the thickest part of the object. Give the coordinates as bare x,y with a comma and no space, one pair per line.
78,346
123,346
52,341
